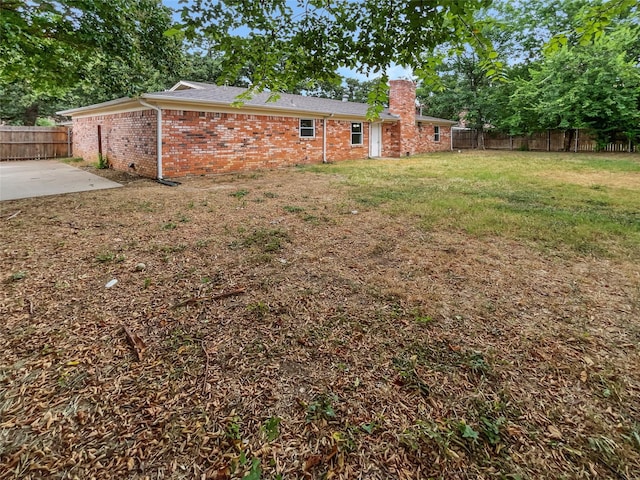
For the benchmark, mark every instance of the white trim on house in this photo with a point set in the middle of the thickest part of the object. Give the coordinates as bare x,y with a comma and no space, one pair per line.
120,105
185,84
312,128
375,139
203,106
360,133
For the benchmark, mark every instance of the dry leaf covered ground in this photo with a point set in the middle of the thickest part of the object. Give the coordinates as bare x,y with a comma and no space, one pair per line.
270,326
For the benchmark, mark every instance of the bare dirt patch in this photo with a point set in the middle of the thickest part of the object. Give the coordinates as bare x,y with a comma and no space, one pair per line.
268,326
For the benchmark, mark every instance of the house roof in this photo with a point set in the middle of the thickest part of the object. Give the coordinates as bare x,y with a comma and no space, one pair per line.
436,120
192,95
117,104
185,84
225,96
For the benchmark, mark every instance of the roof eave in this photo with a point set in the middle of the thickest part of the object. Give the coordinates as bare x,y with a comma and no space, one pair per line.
265,109
436,121
105,107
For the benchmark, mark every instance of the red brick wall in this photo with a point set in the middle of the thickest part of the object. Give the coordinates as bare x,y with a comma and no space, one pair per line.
402,102
196,143
127,138
425,138
391,139
339,141
407,137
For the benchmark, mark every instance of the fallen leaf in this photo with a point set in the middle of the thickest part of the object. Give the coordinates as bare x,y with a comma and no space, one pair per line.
554,432
311,462
49,418
583,376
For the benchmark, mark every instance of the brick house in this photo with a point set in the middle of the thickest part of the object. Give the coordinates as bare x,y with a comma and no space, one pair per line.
195,128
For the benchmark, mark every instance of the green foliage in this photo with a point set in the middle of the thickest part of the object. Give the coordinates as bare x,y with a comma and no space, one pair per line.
291,46
232,430
321,407
424,319
103,162
256,471
105,256
593,86
593,19
568,64
292,209
355,90
271,428
511,195
492,429
267,240
14,277
239,193
467,432
408,375
54,54
260,309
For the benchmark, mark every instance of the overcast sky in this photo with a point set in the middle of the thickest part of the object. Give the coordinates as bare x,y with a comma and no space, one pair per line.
395,72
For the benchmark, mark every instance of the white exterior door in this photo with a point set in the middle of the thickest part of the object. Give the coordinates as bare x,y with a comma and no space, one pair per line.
375,139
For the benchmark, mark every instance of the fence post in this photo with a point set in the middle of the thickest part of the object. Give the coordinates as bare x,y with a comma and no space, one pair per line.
577,133
69,142
510,142
548,139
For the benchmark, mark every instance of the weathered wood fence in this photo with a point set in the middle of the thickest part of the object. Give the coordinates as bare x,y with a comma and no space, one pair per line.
32,143
549,141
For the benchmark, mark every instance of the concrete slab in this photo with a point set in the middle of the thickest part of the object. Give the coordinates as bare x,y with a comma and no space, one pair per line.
38,178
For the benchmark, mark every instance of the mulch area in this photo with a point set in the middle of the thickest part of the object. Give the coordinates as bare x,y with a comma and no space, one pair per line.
269,326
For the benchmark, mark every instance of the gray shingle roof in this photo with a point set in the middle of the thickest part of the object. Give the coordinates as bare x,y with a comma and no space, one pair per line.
224,95
426,118
208,94
190,84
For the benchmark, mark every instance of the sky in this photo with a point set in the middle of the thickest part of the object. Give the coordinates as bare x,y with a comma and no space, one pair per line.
394,72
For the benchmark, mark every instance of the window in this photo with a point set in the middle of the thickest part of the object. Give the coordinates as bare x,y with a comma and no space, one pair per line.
356,133
307,128
436,133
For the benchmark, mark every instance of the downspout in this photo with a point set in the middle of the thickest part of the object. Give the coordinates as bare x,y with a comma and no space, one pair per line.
324,140
159,135
451,136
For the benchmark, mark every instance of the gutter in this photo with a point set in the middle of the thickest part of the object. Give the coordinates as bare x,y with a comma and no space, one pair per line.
159,136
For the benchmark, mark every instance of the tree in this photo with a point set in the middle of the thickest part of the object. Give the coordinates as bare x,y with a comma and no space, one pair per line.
93,49
593,86
306,44
585,81
352,89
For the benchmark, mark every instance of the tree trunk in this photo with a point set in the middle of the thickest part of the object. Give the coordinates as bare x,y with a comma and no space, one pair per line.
569,137
480,137
30,115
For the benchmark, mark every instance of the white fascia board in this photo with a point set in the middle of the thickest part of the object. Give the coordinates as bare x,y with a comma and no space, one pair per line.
183,83
106,108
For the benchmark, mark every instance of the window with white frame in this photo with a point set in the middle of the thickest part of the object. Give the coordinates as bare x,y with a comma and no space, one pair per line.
436,133
307,127
356,133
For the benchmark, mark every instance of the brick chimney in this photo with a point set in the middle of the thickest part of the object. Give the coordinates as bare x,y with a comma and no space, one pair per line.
402,102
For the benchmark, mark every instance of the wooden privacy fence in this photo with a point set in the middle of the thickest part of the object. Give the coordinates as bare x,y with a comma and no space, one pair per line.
547,141
32,143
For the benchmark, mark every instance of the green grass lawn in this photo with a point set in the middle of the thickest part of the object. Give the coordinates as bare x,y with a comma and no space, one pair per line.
588,203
